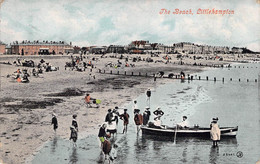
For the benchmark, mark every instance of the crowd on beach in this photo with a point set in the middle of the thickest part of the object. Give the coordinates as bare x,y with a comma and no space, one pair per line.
124,61
32,69
108,129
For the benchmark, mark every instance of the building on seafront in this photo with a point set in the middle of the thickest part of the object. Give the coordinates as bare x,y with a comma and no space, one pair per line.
191,48
2,48
116,49
40,48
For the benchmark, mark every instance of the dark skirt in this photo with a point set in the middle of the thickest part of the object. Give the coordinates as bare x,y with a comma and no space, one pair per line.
111,130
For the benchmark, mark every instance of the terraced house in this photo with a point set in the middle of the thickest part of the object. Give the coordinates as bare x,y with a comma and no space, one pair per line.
40,48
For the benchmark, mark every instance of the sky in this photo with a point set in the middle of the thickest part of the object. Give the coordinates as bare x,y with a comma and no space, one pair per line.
118,22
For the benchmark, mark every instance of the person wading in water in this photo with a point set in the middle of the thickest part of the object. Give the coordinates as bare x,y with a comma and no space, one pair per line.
125,118
215,132
138,118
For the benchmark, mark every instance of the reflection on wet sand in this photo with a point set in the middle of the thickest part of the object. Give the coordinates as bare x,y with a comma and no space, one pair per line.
54,144
213,154
186,140
74,156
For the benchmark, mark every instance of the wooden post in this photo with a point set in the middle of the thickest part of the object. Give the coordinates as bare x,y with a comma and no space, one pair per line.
125,72
223,79
118,72
146,74
191,77
139,73
255,80
132,73
111,72
230,79
238,79
215,79
199,77
247,80
207,78
104,71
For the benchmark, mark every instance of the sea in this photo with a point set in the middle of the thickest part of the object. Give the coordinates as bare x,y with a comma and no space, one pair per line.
234,97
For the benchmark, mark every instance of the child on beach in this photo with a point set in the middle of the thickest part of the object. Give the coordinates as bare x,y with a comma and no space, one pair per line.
73,135
215,132
87,100
54,121
74,130
125,118
138,118
102,134
113,153
106,146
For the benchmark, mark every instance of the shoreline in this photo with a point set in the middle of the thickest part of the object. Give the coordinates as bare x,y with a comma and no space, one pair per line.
116,90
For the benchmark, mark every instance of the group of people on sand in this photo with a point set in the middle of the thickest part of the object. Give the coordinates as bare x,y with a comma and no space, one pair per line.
78,64
22,75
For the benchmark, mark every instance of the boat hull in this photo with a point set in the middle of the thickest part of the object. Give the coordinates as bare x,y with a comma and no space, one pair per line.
190,132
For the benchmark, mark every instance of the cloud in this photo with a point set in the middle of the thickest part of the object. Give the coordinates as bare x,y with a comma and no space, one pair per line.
92,22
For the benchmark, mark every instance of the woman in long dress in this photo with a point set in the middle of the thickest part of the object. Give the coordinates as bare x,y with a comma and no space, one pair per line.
215,132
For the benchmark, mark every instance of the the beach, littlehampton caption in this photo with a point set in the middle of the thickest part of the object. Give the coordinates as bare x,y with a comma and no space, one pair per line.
199,11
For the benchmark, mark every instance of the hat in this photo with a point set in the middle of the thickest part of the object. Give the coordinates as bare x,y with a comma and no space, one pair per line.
147,107
185,117
125,109
53,114
215,119
74,115
116,107
136,110
109,110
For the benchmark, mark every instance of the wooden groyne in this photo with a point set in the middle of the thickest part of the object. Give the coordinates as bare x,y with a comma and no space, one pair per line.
172,76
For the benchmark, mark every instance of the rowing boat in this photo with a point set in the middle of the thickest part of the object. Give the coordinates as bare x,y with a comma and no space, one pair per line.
187,132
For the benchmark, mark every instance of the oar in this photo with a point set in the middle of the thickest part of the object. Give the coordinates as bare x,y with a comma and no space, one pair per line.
175,135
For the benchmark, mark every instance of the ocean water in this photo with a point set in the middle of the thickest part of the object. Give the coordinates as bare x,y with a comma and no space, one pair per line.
235,103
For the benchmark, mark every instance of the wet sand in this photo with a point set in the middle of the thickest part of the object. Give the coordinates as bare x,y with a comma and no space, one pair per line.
26,108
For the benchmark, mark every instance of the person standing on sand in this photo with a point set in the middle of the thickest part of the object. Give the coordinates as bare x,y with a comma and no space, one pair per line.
102,134
73,135
74,122
215,132
115,114
54,121
74,130
109,115
106,147
138,118
125,118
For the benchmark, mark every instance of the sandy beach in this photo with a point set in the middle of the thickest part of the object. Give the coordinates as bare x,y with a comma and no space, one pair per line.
26,108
